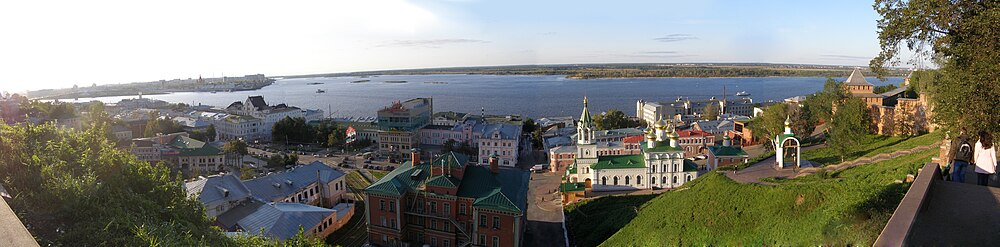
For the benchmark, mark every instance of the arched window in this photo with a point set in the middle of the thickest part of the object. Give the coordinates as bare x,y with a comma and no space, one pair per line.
604,180
663,180
626,180
616,180
677,168
652,179
675,179
638,180
688,178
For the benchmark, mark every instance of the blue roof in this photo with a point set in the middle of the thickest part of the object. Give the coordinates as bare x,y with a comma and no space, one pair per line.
281,185
282,220
214,188
506,131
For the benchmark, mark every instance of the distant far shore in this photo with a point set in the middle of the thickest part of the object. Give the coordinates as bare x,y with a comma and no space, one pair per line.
625,71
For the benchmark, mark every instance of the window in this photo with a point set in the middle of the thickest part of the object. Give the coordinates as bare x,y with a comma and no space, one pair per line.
447,243
392,223
381,205
626,180
392,206
496,222
434,241
383,221
482,220
496,241
447,208
461,209
434,206
482,240
638,179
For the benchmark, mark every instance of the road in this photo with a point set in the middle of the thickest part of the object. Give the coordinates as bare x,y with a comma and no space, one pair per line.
545,212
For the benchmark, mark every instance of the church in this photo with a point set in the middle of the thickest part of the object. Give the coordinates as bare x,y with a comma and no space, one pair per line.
659,164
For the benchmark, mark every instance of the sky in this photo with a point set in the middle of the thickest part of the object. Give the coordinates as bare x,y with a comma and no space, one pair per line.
57,44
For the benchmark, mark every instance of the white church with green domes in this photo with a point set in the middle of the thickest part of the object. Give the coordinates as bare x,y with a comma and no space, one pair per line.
659,165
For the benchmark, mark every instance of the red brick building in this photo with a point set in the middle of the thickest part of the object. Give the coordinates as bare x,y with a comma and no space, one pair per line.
695,142
447,202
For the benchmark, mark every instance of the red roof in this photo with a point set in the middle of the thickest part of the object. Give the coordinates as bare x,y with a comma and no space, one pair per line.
696,133
632,139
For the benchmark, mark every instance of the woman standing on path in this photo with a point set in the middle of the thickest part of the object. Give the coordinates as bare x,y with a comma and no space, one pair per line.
985,158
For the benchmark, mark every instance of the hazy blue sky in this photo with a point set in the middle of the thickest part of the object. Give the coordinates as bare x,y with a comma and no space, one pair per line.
47,44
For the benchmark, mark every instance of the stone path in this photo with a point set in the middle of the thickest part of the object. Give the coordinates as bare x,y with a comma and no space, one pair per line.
765,168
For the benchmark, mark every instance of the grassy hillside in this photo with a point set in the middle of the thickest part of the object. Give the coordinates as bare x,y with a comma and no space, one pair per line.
871,145
848,207
593,221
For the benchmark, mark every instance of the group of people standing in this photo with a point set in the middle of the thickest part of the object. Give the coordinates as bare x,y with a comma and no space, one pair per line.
982,155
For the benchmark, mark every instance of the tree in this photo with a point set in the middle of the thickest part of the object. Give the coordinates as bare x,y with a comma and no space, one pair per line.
74,188
529,126
247,173
235,150
293,130
961,37
449,145
336,139
711,112
821,103
207,135
883,88
97,116
849,124
772,122
614,119
158,125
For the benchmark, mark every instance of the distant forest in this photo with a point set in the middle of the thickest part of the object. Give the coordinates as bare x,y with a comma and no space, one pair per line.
594,71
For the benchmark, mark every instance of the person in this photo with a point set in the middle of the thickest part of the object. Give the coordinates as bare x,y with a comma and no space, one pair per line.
985,158
961,155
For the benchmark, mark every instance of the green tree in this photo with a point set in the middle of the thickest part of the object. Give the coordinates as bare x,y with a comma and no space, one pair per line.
449,145
157,124
850,123
883,88
772,122
97,116
247,173
529,126
711,112
293,130
962,38
235,150
614,119
821,103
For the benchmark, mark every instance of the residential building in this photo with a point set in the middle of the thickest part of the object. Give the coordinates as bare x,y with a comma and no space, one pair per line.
695,142
714,127
727,154
651,112
256,107
448,118
192,123
448,202
218,193
742,134
238,127
313,184
185,153
399,124
561,122
357,131
282,220
121,132
660,163
499,140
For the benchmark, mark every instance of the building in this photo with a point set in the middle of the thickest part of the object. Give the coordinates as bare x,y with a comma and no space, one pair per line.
399,124
256,107
498,140
238,127
313,184
891,113
218,193
448,202
714,127
695,142
185,153
121,132
192,123
727,154
742,134
652,112
660,164
449,118
282,220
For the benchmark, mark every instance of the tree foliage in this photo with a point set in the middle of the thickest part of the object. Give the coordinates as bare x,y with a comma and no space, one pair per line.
614,119
161,125
293,130
74,188
850,122
821,103
711,112
772,122
962,37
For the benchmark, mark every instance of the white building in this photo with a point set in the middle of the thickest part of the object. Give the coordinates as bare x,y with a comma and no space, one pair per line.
256,107
236,127
501,140
661,163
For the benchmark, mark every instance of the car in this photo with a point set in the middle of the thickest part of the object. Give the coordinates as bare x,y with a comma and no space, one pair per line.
368,161
537,168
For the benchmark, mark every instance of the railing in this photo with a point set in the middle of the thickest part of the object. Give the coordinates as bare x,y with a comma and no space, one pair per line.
898,228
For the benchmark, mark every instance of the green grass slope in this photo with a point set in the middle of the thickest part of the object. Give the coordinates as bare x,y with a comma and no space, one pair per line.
848,207
871,145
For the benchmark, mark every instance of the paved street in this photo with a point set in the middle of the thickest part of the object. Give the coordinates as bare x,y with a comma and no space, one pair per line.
545,215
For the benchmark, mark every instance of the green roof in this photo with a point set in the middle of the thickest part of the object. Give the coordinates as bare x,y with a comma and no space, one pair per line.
690,166
663,146
505,191
619,162
187,146
572,187
572,168
727,151
451,160
401,180
585,119
444,181
496,200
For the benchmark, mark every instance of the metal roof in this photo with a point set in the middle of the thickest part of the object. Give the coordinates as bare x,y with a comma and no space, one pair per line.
619,162
282,220
217,188
857,79
281,185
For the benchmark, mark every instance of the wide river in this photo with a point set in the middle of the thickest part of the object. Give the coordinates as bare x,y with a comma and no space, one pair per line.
531,96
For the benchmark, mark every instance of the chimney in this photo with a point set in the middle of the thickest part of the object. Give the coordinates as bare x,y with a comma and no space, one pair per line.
414,156
494,164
